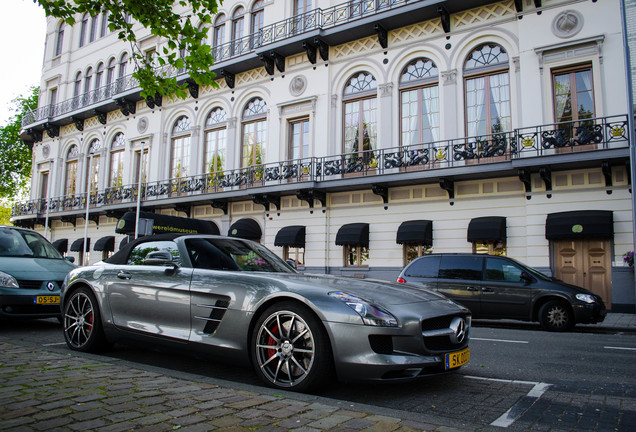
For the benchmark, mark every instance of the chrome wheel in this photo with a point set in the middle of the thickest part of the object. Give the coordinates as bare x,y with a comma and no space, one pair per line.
81,320
285,349
555,316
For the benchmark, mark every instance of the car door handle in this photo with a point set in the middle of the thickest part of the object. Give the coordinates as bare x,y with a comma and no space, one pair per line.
471,288
487,290
124,275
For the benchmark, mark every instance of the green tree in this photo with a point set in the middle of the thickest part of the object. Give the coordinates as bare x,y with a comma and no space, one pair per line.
5,215
186,36
15,156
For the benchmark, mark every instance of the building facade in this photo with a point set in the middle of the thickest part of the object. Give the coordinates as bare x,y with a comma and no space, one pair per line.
352,137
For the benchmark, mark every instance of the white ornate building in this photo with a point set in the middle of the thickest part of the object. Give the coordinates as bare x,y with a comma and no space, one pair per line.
353,136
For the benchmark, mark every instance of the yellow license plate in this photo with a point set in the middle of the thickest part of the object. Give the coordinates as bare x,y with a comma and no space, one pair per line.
456,359
47,300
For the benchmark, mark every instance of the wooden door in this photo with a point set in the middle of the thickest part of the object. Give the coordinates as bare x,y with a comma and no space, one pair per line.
586,263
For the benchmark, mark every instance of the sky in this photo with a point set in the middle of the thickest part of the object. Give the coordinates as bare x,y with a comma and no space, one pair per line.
22,32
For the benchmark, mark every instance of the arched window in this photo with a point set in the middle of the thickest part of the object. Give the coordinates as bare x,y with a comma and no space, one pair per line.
104,28
94,25
254,124
92,162
487,91
99,76
256,24
238,18
87,80
218,38
121,75
360,123
59,42
419,96
83,30
117,147
110,76
180,149
215,140
70,178
77,89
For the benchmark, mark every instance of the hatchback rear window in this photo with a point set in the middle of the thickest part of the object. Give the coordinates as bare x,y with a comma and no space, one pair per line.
461,267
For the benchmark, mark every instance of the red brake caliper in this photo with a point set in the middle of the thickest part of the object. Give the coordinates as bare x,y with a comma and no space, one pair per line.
271,341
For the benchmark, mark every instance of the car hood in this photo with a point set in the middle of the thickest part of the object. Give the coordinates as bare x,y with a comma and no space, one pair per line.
26,268
377,291
569,287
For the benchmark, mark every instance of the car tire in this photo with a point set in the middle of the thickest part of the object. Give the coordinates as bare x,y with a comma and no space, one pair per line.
82,321
299,357
555,315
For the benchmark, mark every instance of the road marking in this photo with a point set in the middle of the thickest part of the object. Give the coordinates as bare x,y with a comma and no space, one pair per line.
53,344
499,340
620,348
522,405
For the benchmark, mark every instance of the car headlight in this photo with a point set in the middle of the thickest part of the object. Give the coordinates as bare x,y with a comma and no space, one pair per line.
371,314
8,281
587,298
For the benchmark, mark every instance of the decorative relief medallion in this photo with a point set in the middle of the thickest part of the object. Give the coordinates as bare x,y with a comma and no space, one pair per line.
142,125
46,150
567,24
298,85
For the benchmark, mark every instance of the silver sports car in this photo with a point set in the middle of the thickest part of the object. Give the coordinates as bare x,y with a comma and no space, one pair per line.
238,301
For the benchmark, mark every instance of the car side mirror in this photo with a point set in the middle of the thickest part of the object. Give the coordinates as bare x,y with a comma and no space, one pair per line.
70,259
292,264
161,258
526,277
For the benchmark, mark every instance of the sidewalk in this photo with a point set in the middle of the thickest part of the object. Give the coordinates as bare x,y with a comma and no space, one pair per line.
44,390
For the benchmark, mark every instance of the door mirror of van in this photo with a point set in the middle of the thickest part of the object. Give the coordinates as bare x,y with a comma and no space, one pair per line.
525,276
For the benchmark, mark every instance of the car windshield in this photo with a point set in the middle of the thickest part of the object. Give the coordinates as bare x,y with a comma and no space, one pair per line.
229,254
18,243
533,272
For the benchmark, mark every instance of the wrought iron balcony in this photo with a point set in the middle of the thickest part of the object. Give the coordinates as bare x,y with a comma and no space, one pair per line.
524,147
313,22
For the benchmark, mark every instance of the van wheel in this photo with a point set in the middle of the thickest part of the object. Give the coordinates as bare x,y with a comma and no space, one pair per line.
555,315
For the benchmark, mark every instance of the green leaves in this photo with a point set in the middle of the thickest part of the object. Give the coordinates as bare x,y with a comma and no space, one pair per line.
183,44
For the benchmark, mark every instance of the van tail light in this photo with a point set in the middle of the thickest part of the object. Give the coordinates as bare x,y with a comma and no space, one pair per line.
400,280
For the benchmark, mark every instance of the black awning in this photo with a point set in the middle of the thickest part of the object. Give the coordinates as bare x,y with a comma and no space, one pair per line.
246,228
166,224
580,224
61,245
355,234
415,232
105,244
489,228
76,246
293,236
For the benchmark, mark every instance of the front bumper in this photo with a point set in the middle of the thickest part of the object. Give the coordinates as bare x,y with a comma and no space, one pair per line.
22,305
589,313
361,355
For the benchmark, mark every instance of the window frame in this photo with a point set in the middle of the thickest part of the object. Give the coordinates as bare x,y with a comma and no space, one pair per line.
218,128
571,70
359,97
257,119
359,252
420,84
180,140
59,41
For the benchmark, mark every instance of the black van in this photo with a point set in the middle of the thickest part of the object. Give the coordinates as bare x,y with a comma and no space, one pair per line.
502,288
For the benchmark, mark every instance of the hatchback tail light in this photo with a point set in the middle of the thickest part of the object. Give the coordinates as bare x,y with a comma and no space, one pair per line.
400,280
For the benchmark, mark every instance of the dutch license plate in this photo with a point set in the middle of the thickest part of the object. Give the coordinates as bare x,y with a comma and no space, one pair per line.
47,300
456,359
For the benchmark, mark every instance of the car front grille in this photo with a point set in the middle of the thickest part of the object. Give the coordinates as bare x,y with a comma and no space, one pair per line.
438,335
34,284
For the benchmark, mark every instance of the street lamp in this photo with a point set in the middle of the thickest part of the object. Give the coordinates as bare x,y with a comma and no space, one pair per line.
141,165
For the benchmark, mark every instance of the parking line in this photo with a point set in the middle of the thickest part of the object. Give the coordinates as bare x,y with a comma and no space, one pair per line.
498,340
53,344
523,405
620,348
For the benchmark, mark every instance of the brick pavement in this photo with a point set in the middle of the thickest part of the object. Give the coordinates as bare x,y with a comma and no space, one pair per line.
44,390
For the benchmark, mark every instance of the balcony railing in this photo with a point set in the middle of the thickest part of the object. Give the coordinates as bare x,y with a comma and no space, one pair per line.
598,134
317,19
